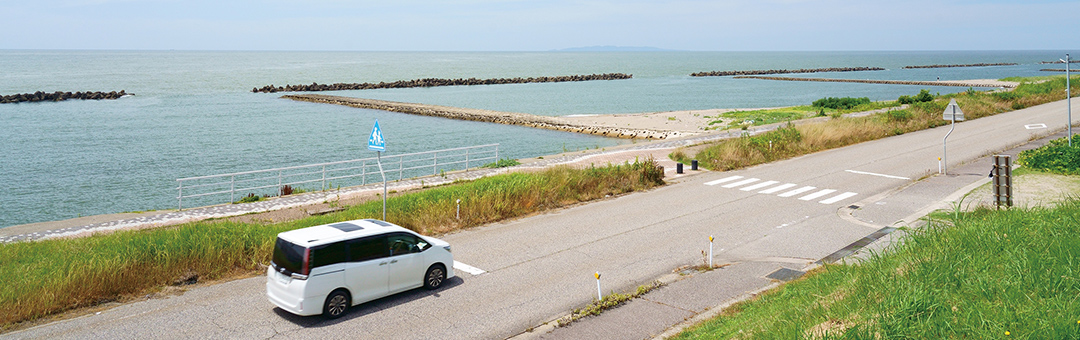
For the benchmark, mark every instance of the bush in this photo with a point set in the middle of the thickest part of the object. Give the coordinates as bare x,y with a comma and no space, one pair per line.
905,99
845,103
502,163
924,96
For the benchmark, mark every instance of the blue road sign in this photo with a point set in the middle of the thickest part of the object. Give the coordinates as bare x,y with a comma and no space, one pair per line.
376,142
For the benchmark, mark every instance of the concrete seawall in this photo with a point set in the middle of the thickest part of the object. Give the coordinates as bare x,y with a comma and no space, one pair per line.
508,118
893,82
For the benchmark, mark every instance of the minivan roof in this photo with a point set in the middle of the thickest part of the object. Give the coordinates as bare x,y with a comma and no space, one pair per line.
333,232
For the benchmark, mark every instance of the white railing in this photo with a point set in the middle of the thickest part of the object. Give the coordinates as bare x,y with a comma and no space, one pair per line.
324,176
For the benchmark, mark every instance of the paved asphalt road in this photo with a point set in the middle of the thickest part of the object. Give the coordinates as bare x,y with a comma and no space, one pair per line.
541,267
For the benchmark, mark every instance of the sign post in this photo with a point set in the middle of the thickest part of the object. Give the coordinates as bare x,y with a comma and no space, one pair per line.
378,144
953,113
1068,95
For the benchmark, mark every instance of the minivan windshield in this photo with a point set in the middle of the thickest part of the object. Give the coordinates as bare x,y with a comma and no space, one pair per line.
288,255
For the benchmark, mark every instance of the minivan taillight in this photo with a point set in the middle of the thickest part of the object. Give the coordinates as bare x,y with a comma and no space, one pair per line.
306,268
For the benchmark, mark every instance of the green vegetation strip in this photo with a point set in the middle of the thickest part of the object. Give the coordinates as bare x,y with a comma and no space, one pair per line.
791,141
1056,157
51,276
980,275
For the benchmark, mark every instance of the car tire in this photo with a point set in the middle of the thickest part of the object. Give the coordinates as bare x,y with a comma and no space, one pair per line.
435,277
337,303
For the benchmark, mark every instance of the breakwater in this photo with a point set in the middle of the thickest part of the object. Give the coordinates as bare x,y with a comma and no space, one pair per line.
508,118
959,83
58,96
763,72
961,65
433,82
1059,62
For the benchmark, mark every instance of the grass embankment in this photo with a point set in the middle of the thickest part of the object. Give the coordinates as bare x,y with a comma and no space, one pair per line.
980,275
748,118
50,276
792,141
976,276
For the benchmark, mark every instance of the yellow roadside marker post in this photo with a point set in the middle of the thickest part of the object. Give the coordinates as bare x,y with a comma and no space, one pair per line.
710,251
599,295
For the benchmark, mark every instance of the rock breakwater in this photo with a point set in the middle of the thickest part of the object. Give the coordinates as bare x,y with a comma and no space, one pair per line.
959,83
433,82
960,65
802,70
58,96
508,118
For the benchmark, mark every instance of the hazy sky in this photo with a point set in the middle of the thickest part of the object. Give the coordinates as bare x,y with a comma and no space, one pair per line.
525,25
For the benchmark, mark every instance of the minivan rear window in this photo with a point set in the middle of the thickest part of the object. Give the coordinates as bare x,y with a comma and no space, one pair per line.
288,255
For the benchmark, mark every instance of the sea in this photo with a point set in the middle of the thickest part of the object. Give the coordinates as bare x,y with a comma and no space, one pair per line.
193,112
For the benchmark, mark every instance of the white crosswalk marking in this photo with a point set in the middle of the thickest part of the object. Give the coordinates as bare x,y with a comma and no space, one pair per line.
817,194
777,189
468,269
759,185
771,187
838,198
796,191
742,182
722,180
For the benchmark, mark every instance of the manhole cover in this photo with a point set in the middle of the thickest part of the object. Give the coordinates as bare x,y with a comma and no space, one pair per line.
784,274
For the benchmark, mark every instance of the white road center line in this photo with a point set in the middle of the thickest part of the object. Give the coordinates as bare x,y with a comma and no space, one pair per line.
742,182
468,269
722,180
759,185
777,188
838,198
817,194
796,191
874,174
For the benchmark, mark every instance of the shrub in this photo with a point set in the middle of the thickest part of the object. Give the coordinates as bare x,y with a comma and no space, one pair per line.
502,163
905,99
924,96
845,103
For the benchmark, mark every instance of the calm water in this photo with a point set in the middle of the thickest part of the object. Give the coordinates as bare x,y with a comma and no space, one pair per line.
193,113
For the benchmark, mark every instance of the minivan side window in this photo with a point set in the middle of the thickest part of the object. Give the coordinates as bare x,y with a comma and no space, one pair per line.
368,248
328,254
403,243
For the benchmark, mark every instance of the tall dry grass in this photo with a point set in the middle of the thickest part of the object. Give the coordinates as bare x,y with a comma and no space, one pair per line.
47,277
791,141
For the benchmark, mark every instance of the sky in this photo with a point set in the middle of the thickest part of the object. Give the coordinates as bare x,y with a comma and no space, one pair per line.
526,25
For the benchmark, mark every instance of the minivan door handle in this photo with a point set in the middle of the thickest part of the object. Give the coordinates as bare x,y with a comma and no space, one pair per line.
382,263
394,261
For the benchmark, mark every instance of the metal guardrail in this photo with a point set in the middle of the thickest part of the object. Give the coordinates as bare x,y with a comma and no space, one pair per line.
344,173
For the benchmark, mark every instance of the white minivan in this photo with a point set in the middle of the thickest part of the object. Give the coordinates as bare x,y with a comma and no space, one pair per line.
328,268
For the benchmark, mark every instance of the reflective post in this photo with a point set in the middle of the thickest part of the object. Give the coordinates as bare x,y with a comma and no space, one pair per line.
599,295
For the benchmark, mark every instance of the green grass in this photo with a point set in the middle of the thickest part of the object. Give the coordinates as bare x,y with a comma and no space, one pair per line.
976,276
740,119
47,277
1056,157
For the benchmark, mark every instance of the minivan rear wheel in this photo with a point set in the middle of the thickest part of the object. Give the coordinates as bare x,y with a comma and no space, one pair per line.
336,304
434,277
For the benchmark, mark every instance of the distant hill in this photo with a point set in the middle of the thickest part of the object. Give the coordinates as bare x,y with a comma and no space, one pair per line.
612,49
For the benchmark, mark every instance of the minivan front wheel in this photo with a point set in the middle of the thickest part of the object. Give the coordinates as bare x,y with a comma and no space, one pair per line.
434,277
336,304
